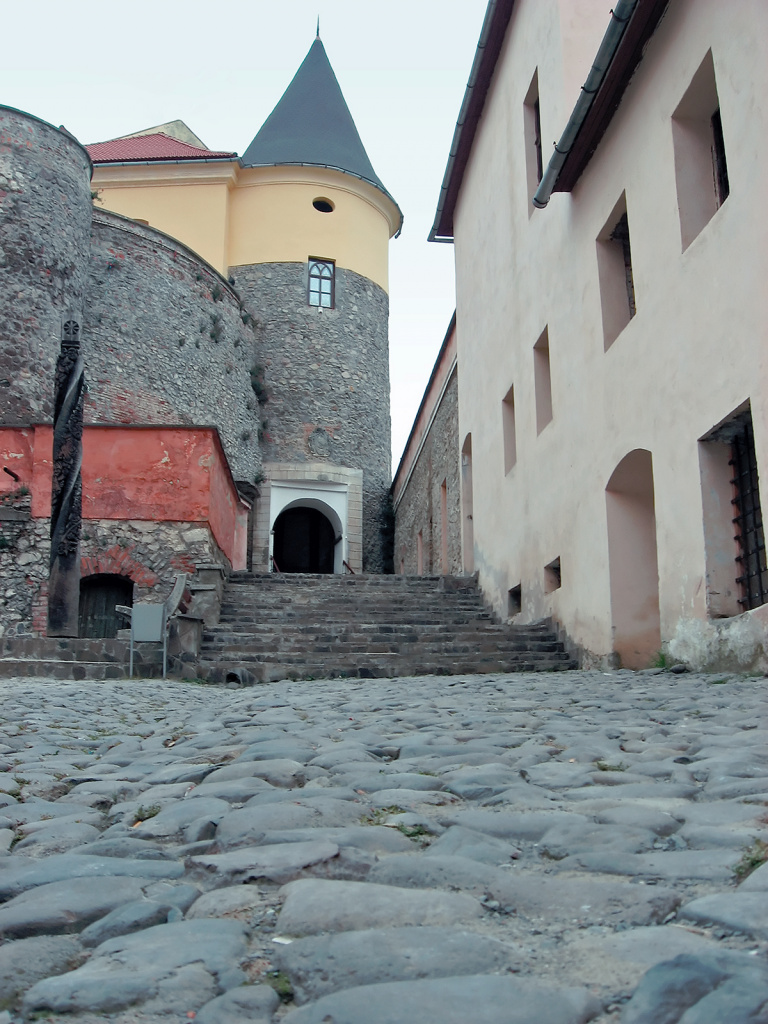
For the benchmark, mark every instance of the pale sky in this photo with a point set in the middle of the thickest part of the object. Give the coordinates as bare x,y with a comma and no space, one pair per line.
105,70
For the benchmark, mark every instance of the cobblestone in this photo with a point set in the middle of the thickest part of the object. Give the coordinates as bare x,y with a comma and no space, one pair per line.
568,841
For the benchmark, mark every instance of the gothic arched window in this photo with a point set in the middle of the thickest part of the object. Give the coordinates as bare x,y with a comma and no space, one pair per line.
321,283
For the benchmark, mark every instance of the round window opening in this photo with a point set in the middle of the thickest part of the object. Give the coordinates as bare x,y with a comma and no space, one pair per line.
323,205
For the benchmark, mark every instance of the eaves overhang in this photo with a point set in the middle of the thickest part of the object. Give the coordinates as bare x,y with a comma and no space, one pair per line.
497,17
629,53
188,161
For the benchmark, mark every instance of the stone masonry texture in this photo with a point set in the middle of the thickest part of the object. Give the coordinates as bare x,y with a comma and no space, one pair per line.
327,377
45,223
420,508
24,547
150,554
167,340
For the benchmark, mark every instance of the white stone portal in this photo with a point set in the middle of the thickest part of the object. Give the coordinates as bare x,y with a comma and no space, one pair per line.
335,491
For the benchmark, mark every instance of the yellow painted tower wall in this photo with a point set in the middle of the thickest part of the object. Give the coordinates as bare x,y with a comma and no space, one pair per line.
235,216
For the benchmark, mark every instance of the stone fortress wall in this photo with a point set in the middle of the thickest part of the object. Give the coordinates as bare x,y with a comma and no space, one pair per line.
166,339
422,507
45,227
327,378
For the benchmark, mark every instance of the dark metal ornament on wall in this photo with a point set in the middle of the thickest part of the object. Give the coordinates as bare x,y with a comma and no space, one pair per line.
66,490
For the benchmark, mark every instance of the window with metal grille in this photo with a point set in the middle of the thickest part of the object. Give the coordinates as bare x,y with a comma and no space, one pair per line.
753,576
321,283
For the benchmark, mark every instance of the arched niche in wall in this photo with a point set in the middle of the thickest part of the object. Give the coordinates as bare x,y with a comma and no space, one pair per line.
633,563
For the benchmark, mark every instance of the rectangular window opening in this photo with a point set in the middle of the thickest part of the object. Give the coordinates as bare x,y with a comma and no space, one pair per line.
552,579
322,283
701,167
617,282
508,429
542,380
420,553
534,162
515,600
719,164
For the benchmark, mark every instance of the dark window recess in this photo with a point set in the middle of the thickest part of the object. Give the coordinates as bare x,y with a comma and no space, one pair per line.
719,166
321,284
537,139
748,521
620,235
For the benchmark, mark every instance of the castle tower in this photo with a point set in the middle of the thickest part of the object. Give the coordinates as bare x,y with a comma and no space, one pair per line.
308,237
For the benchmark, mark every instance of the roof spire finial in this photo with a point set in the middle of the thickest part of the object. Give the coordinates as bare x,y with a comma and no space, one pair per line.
318,26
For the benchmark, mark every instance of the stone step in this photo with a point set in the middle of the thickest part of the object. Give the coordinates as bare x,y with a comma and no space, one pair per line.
55,669
366,629
431,598
363,643
238,672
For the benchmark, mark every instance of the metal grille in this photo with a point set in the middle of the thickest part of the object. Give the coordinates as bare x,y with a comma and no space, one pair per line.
753,578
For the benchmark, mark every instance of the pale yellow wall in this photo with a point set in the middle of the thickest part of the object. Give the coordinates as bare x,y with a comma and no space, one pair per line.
695,351
272,220
188,203
233,216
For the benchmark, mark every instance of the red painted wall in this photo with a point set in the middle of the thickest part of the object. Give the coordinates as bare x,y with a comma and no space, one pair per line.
227,515
171,474
17,453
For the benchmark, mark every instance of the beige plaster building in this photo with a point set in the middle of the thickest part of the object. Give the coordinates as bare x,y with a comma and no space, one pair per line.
611,344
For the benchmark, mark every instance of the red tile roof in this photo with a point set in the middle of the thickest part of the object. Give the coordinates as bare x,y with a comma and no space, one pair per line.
149,147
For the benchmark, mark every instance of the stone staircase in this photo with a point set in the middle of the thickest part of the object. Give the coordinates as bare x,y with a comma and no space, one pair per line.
311,627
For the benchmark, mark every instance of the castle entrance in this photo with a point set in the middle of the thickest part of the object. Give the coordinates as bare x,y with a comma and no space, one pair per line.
304,541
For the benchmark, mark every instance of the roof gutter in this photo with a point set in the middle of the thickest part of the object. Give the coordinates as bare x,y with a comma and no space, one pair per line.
467,116
165,160
620,17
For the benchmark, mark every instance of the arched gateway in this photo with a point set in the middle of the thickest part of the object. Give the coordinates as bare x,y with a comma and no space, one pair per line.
304,541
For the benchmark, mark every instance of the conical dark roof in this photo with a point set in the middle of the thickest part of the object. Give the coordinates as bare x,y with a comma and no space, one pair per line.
311,125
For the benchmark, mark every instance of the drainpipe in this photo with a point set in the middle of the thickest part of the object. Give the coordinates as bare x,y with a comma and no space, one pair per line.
620,16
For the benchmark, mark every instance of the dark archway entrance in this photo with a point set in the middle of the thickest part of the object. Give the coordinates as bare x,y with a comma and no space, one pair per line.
98,596
304,541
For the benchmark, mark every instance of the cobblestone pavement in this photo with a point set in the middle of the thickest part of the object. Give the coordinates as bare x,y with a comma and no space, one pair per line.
513,849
